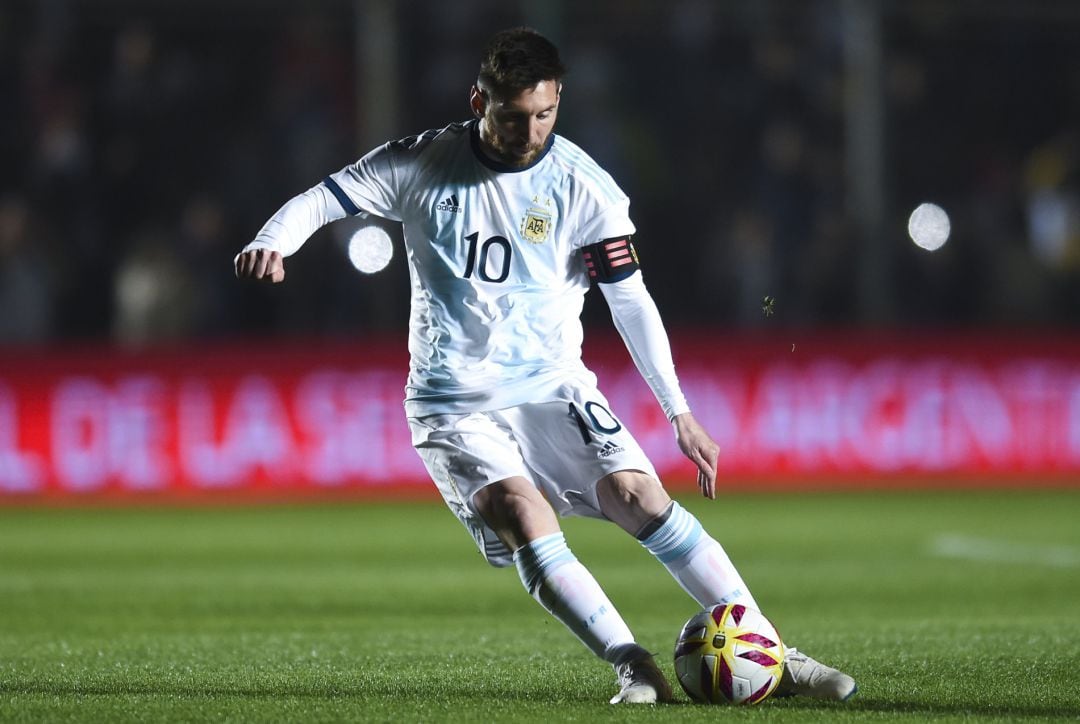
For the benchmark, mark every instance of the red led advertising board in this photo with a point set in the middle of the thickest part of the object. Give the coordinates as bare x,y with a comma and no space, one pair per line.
306,419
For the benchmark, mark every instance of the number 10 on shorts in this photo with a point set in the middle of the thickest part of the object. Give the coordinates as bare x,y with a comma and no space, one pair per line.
599,417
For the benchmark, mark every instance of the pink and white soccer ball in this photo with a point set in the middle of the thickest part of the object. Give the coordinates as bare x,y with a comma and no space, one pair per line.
729,654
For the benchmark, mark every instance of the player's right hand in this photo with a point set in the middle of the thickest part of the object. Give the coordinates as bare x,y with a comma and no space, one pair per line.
260,264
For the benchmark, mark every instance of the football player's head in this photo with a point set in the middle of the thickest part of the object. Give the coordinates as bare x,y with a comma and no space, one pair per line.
516,95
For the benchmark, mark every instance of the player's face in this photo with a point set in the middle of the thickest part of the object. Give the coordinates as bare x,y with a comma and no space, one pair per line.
515,130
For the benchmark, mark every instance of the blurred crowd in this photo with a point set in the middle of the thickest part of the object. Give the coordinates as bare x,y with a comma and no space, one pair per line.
142,145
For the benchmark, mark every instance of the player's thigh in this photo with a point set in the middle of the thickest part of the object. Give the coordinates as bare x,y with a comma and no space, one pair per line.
463,454
572,444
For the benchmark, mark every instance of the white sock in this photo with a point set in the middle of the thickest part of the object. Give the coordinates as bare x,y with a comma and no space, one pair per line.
565,588
697,561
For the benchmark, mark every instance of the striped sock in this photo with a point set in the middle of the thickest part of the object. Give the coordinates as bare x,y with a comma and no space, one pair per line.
697,561
556,579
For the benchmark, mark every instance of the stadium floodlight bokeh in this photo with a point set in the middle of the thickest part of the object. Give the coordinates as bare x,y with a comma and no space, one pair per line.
370,249
929,226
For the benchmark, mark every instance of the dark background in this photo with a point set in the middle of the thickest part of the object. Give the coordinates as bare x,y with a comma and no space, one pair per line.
768,148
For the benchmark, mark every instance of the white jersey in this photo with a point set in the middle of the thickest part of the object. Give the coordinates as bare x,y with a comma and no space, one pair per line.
498,278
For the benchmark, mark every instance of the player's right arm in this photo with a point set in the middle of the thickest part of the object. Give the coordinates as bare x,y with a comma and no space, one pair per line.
285,232
369,185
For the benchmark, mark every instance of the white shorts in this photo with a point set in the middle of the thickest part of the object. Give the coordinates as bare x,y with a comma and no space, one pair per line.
563,446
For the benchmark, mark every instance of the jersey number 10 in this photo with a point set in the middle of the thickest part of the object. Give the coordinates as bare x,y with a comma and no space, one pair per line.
480,265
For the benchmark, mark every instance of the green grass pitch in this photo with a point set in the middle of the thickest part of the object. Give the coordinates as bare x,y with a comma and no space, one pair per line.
946,606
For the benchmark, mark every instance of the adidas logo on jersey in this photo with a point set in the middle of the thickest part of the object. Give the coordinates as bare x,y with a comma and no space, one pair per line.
609,449
450,203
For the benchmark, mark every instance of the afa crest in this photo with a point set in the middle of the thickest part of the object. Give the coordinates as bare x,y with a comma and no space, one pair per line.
536,226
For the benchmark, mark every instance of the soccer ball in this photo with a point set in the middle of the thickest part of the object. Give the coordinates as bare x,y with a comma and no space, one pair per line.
729,654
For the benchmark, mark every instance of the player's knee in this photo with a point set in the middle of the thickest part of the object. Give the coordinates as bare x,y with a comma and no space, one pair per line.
503,505
516,511
632,494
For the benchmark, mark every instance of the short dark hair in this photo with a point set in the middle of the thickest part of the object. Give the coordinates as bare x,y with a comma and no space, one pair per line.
517,59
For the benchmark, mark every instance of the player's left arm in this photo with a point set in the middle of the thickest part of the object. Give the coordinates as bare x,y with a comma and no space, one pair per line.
699,446
613,263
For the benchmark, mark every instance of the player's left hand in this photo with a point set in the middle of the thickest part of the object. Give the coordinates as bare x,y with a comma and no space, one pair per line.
702,450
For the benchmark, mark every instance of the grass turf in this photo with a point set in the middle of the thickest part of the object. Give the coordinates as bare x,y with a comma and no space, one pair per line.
958,606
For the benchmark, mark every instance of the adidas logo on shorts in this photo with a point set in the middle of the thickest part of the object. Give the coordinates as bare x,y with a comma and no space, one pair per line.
609,449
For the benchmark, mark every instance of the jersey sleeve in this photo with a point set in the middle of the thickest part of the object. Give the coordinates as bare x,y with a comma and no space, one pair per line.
638,321
372,184
300,217
608,222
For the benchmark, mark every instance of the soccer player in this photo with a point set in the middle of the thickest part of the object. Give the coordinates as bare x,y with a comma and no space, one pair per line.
506,226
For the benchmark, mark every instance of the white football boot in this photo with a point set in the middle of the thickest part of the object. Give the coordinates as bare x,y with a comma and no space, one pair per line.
805,677
641,682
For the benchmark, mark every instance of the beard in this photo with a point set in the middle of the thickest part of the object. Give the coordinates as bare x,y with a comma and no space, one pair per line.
511,155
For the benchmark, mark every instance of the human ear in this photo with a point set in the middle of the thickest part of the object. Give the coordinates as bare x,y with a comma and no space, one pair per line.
477,101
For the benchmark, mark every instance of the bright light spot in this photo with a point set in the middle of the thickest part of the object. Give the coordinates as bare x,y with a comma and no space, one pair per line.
929,226
370,249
